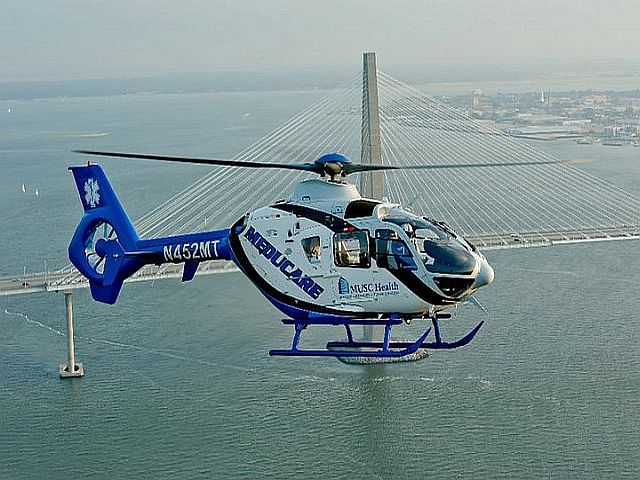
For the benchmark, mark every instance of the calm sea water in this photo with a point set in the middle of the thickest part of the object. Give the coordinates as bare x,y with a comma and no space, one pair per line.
178,380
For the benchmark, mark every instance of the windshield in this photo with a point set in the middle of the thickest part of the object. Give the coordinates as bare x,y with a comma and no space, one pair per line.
440,249
419,227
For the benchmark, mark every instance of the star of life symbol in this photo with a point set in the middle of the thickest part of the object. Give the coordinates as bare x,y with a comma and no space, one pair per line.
91,188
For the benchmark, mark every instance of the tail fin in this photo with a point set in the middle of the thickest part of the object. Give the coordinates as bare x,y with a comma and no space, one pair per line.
106,248
98,246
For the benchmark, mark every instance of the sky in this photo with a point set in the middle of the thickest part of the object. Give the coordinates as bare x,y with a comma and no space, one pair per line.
73,39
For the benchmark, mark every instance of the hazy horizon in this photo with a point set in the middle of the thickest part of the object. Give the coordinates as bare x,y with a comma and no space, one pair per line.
94,39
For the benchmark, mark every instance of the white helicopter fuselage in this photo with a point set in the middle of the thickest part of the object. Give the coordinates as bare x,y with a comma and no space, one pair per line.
327,251
324,256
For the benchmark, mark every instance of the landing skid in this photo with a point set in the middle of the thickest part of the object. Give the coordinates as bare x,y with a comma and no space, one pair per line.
353,351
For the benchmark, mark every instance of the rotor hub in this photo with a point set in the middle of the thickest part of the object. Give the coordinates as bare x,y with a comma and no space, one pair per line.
333,164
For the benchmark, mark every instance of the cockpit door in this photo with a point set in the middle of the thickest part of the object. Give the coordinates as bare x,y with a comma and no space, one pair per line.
392,252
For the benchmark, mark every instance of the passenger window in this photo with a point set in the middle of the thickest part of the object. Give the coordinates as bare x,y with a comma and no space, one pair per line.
311,248
351,249
393,253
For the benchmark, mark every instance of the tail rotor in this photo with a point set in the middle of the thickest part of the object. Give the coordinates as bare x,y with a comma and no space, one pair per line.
94,251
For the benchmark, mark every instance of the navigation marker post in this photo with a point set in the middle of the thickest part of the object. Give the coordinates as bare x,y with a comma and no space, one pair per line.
71,369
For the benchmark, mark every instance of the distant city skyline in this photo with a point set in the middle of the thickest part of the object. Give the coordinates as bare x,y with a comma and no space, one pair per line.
97,38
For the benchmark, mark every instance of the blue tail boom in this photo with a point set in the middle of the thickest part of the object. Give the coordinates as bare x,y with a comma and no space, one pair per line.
106,248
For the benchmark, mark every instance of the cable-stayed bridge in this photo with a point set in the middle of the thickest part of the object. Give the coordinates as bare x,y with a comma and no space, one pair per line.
374,115
539,201
375,118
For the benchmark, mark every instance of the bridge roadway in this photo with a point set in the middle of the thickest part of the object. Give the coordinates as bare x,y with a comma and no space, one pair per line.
556,237
69,279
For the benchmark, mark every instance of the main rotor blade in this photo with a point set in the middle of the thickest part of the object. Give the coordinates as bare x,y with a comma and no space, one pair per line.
363,167
318,168
307,167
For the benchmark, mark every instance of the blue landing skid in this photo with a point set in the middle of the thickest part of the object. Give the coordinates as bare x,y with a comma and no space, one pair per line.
386,349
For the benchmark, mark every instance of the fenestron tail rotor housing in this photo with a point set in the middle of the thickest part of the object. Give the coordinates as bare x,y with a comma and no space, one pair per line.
94,254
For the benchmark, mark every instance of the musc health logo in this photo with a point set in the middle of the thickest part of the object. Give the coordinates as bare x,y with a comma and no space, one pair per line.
91,195
343,286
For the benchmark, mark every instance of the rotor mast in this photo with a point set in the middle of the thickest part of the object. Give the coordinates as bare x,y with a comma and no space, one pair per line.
371,183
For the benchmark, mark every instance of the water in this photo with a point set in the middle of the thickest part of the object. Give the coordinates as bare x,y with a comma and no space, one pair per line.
178,380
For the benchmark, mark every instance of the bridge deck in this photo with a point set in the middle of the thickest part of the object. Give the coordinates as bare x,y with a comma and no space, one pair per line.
547,238
69,279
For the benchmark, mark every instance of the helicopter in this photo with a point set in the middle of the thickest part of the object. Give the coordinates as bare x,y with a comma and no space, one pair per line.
323,256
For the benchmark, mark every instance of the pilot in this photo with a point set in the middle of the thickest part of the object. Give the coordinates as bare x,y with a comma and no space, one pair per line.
408,229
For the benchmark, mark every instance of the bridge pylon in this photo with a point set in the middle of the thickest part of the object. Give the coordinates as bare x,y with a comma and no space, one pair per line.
371,183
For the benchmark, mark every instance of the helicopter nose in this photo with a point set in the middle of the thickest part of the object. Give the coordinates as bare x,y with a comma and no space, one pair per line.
485,275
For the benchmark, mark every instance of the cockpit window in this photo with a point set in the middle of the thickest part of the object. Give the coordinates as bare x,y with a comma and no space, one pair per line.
311,247
393,253
441,250
351,249
418,227
448,257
